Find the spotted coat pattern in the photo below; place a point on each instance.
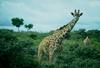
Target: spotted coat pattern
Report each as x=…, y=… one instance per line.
x=52, y=44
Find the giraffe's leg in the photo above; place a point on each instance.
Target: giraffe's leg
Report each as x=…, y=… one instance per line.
x=50, y=57
x=39, y=57
x=40, y=54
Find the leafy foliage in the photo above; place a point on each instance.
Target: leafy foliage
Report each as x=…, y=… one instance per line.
x=14, y=52
x=17, y=22
x=29, y=26
x=19, y=50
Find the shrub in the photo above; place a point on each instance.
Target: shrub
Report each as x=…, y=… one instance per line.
x=15, y=53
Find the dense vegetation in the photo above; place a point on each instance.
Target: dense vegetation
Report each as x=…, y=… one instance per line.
x=19, y=50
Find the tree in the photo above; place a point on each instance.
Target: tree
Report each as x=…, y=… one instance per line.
x=26, y=26
x=29, y=26
x=17, y=22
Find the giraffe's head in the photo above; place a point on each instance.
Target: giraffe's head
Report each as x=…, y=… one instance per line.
x=76, y=13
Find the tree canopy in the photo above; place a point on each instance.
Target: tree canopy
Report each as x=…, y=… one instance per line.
x=17, y=22
x=28, y=26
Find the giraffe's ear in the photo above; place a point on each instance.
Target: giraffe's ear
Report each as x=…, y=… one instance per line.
x=72, y=13
x=81, y=14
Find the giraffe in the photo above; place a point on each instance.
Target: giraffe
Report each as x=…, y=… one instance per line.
x=87, y=41
x=53, y=43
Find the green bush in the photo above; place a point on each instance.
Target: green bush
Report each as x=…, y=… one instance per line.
x=19, y=50
x=15, y=53
x=78, y=56
x=86, y=63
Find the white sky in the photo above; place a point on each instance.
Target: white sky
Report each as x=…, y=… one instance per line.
x=48, y=15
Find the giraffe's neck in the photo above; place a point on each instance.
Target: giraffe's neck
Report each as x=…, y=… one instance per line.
x=70, y=25
x=63, y=31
